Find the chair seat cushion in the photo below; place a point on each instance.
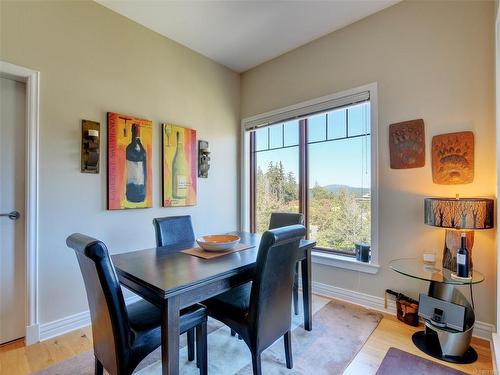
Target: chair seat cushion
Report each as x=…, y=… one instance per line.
x=144, y=316
x=234, y=303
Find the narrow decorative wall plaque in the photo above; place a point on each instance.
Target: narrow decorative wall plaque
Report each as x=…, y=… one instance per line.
x=407, y=144
x=453, y=158
x=90, y=146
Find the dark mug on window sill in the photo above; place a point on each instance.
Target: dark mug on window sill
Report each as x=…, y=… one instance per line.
x=363, y=253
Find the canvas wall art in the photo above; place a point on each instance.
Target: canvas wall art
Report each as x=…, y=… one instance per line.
x=453, y=158
x=407, y=144
x=179, y=166
x=130, y=170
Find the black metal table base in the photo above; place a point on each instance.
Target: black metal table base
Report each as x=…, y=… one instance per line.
x=429, y=344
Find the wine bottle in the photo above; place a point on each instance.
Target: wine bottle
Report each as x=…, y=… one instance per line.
x=180, y=177
x=136, y=168
x=463, y=258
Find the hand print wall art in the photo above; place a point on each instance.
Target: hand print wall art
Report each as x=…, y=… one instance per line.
x=453, y=158
x=407, y=144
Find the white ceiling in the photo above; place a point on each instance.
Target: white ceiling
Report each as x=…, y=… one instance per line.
x=242, y=34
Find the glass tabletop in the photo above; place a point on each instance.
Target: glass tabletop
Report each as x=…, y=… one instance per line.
x=416, y=268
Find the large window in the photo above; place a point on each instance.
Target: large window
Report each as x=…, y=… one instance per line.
x=320, y=165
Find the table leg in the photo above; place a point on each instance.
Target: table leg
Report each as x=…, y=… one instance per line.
x=170, y=310
x=306, y=290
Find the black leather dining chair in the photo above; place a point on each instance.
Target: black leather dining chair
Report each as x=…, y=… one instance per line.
x=283, y=219
x=175, y=230
x=259, y=311
x=279, y=220
x=124, y=335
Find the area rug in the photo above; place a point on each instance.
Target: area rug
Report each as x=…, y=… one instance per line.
x=399, y=362
x=339, y=331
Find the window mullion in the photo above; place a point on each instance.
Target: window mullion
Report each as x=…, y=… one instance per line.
x=347, y=122
x=303, y=173
x=253, y=184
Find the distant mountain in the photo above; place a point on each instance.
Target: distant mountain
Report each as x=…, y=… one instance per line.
x=359, y=192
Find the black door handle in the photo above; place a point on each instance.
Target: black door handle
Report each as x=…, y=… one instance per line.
x=13, y=215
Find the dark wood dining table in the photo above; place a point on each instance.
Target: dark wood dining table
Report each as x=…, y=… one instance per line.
x=173, y=280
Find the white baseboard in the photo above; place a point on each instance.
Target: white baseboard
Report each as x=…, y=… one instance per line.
x=58, y=327
x=70, y=323
x=357, y=298
x=481, y=329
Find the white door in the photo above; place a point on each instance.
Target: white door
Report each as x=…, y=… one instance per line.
x=12, y=199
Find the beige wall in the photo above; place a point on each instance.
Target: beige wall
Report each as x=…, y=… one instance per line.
x=93, y=61
x=431, y=60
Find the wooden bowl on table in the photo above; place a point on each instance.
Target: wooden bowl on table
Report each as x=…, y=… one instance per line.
x=218, y=242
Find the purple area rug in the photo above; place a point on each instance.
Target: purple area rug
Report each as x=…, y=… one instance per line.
x=399, y=362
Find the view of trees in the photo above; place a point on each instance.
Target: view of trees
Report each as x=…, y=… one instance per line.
x=276, y=191
x=339, y=216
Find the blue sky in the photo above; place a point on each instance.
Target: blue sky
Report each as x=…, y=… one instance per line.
x=340, y=161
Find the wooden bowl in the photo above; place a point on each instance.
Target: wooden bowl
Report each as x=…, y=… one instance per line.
x=218, y=242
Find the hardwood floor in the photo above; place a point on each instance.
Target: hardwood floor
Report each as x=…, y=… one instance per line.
x=391, y=332
x=16, y=359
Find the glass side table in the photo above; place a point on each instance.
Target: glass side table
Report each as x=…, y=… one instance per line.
x=443, y=343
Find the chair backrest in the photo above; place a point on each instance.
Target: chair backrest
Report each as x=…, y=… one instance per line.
x=284, y=219
x=271, y=295
x=173, y=230
x=111, y=332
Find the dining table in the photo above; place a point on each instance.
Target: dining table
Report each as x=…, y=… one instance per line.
x=173, y=280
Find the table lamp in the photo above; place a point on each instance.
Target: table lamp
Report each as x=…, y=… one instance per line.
x=458, y=215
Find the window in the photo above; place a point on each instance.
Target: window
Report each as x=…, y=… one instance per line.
x=318, y=163
x=276, y=157
x=339, y=202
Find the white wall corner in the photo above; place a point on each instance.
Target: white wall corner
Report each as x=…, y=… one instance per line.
x=70, y=323
x=32, y=334
x=481, y=329
x=495, y=351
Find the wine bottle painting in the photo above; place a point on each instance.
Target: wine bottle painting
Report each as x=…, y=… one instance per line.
x=129, y=162
x=179, y=166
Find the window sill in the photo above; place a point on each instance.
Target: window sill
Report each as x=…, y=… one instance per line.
x=340, y=261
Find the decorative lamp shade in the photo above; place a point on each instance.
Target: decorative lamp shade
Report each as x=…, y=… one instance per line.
x=462, y=213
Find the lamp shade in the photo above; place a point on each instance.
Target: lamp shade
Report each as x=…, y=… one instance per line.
x=463, y=213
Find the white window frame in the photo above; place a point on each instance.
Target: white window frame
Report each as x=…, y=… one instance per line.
x=329, y=259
